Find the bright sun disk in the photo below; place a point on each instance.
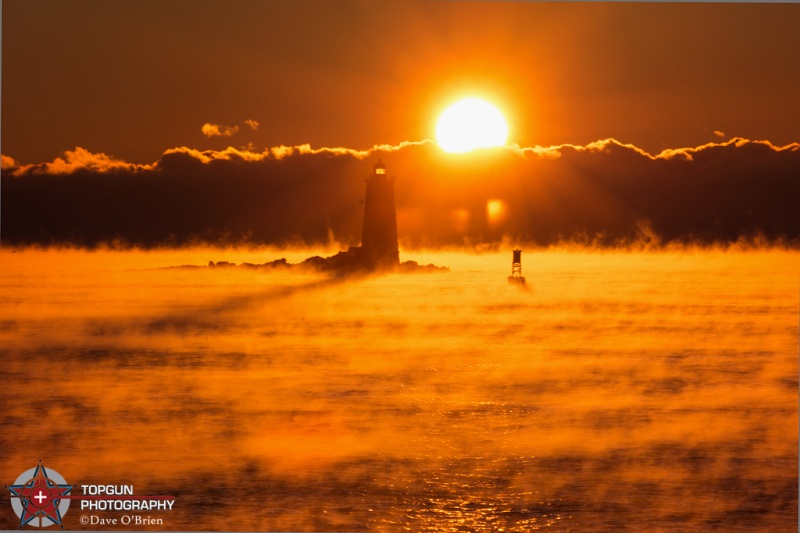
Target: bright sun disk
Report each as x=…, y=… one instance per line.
x=469, y=124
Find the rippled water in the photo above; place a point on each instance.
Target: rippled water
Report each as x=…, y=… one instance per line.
x=622, y=392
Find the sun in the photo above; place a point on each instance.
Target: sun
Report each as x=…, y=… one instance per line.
x=469, y=124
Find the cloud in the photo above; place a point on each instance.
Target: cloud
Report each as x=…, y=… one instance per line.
x=605, y=191
x=228, y=154
x=218, y=130
x=306, y=149
x=210, y=129
x=280, y=152
x=74, y=160
x=8, y=163
x=738, y=142
x=720, y=134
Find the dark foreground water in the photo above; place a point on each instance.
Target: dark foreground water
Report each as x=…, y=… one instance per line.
x=623, y=392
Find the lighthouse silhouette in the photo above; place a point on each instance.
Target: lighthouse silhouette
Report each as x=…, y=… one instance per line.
x=379, y=234
x=378, y=250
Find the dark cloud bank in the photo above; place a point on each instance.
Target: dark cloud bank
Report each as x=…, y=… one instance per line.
x=605, y=192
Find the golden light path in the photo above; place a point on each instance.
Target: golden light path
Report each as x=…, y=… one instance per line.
x=469, y=124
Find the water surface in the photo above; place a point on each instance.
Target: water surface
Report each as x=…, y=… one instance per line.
x=622, y=392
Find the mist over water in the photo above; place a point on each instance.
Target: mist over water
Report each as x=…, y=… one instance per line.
x=652, y=391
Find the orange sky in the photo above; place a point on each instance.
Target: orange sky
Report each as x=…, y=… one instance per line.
x=132, y=79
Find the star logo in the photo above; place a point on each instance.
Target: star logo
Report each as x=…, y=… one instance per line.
x=40, y=494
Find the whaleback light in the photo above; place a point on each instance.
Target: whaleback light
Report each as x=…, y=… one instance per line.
x=379, y=234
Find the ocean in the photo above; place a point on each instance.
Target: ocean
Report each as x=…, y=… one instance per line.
x=619, y=391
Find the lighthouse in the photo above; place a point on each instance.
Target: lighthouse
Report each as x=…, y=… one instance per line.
x=378, y=250
x=379, y=234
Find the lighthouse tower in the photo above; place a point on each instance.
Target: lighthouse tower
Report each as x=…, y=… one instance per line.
x=379, y=236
